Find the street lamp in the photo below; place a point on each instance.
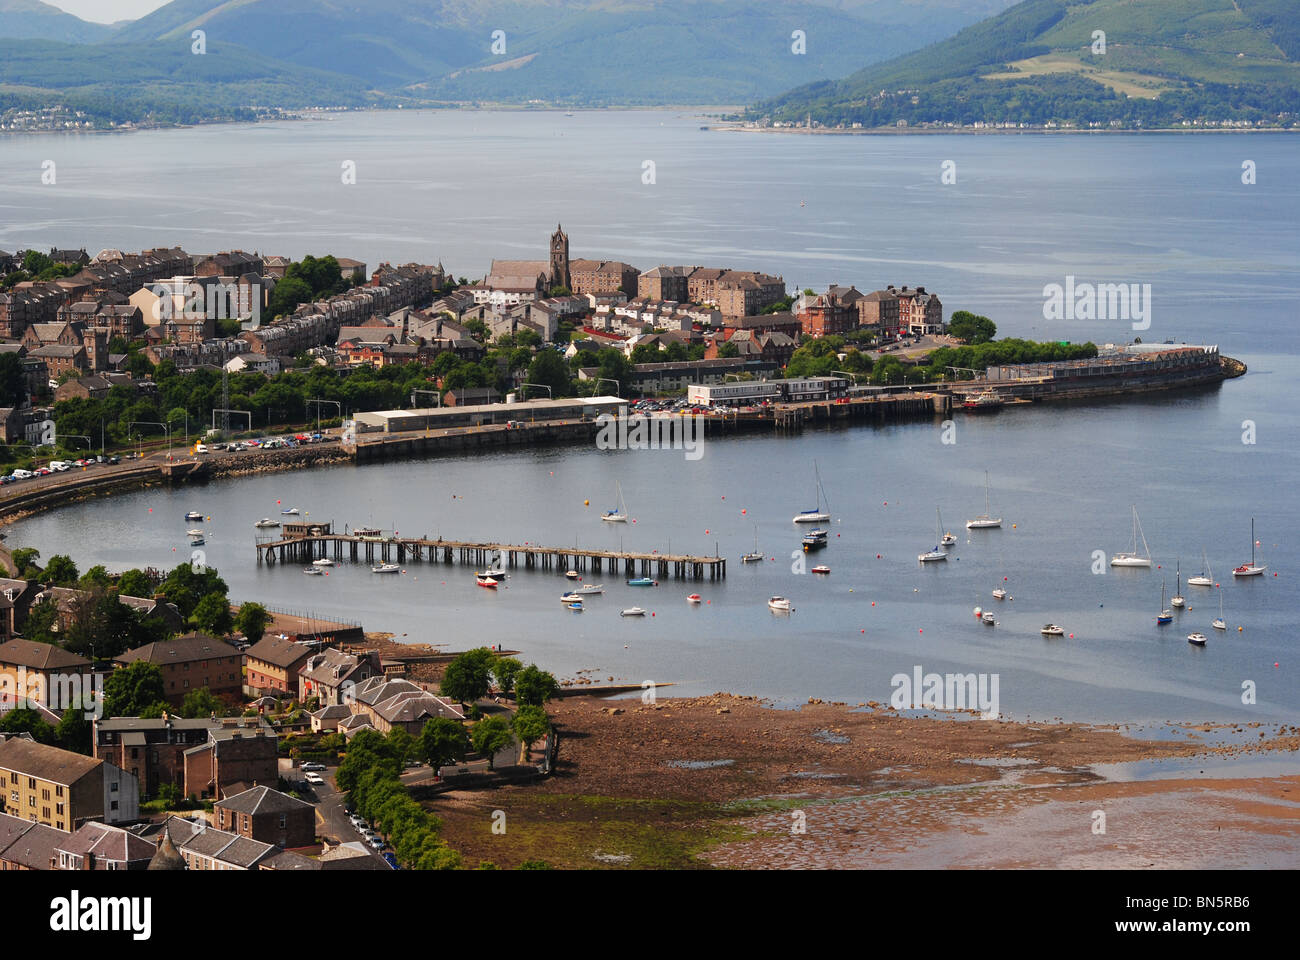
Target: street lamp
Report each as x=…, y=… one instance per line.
x=432, y=393
x=318, y=403
x=618, y=387
x=550, y=395
x=154, y=423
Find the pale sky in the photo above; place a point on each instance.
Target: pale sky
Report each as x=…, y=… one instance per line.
x=108, y=11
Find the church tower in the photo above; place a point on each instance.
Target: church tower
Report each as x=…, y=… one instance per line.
x=560, y=258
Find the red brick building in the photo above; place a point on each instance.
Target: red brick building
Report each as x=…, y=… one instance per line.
x=267, y=815
x=191, y=662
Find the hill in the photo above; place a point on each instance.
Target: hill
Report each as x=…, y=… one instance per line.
x=33, y=20
x=1163, y=62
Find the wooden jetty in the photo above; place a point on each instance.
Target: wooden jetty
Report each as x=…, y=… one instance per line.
x=304, y=548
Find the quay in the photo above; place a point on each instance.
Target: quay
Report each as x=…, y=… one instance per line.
x=304, y=546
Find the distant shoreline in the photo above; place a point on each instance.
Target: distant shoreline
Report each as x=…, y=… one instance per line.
x=967, y=131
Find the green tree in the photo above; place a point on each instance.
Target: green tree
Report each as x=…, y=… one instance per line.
x=505, y=670
x=212, y=614
x=530, y=724
x=369, y=753
x=42, y=622
x=490, y=735
x=135, y=583
x=971, y=328
x=548, y=368
x=74, y=729
x=96, y=576
x=60, y=571
x=466, y=677
x=13, y=380
x=252, y=620
x=443, y=741
x=202, y=703
x=132, y=690
x=25, y=562
x=98, y=621
x=534, y=687
x=27, y=720
x=403, y=745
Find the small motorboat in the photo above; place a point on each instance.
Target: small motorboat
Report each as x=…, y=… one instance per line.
x=643, y=582
x=314, y=571
x=815, y=540
x=266, y=523
x=988, y=617
x=780, y=603
x=999, y=594
x=323, y=562
x=632, y=612
x=693, y=598
x=588, y=589
x=571, y=574
x=1052, y=630
x=821, y=568
x=575, y=605
x=567, y=598
x=291, y=512
x=486, y=582
x=197, y=542
x=386, y=568
x=193, y=515
x=947, y=540
x=195, y=532
x=1196, y=639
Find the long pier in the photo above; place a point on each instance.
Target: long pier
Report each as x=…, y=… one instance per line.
x=355, y=548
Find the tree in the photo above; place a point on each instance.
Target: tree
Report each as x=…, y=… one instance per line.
x=490, y=735
x=27, y=720
x=403, y=745
x=42, y=622
x=98, y=620
x=505, y=670
x=443, y=741
x=202, y=703
x=212, y=614
x=530, y=724
x=369, y=753
x=534, y=687
x=548, y=368
x=25, y=562
x=60, y=571
x=466, y=677
x=96, y=576
x=13, y=380
x=252, y=620
x=728, y=351
x=73, y=730
x=972, y=328
x=132, y=690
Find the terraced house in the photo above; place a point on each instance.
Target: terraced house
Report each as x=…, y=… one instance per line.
x=192, y=662
x=62, y=789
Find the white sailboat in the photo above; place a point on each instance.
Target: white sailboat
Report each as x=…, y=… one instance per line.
x=946, y=539
x=1251, y=569
x=1220, y=623
x=1133, y=558
x=984, y=521
x=754, y=557
x=937, y=553
x=1206, y=577
x=816, y=515
x=1177, y=599
x=618, y=515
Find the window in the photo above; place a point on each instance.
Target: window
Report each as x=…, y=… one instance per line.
x=284, y=821
x=45, y=794
x=31, y=801
x=135, y=753
x=31, y=783
x=113, y=787
x=58, y=791
x=112, y=805
x=187, y=684
x=58, y=809
x=186, y=667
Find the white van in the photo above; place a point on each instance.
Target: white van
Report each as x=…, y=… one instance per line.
x=23, y=474
x=201, y=448
x=60, y=465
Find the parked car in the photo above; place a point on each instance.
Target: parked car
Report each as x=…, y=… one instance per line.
x=313, y=765
x=114, y=460
x=314, y=779
x=391, y=859
x=376, y=843
x=201, y=448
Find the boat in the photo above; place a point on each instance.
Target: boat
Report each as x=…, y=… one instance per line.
x=291, y=512
x=693, y=598
x=565, y=598
x=575, y=605
x=364, y=531
x=988, y=400
x=618, y=515
x=1052, y=630
x=495, y=571
x=314, y=571
x=323, y=562
x=947, y=539
x=815, y=540
x=642, y=582
x=571, y=574
x=822, y=568
x=817, y=514
x=197, y=542
x=386, y=568
x=196, y=532
x=1219, y=623
x=266, y=523
x=1133, y=558
x=1177, y=599
x=1251, y=569
x=999, y=594
x=984, y=521
x=1196, y=638
x=935, y=554
x=988, y=617
x=632, y=612
x=587, y=589
x=486, y=582
x=780, y=603
x=1165, y=615
x=1206, y=577
x=193, y=515
x=754, y=557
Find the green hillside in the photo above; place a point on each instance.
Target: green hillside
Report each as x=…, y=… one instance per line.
x=1165, y=62
x=33, y=20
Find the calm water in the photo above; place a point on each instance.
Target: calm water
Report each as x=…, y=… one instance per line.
x=1170, y=211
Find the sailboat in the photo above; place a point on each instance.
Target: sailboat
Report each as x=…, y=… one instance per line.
x=1206, y=577
x=946, y=539
x=495, y=571
x=754, y=557
x=1178, y=600
x=936, y=553
x=984, y=521
x=816, y=515
x=1134, y=559
x=1220, y=623
x=620, y=514
x=1165, y=615
x=1251, y=569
